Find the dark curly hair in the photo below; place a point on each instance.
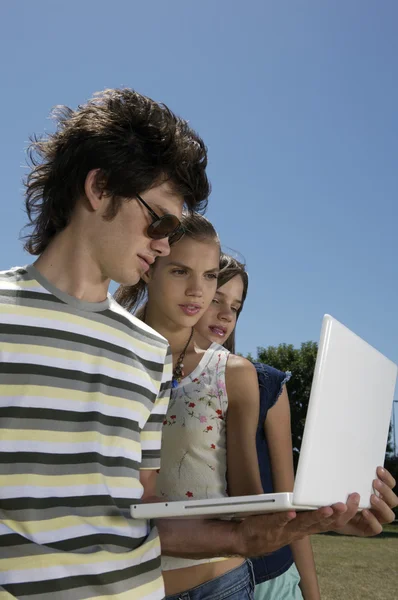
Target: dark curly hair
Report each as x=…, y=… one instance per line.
x=133, y=141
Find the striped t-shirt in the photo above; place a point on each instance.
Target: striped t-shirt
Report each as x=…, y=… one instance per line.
x=84, y=388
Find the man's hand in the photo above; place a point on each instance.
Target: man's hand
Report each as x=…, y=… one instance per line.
x=263, y=534
x=369, y=522
x=259, y=535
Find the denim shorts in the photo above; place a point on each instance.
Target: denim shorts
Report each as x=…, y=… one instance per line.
x=237, y=584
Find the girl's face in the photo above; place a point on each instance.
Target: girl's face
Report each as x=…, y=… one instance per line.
x=182, y=285
x=219, y=321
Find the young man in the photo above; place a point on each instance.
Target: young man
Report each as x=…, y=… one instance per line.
x=83, y=384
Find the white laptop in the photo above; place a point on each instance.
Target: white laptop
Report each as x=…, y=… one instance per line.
x=344, y=439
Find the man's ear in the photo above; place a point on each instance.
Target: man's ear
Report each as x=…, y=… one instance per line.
x=93, y=189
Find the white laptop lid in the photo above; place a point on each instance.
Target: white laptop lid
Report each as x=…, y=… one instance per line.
x=348, y=419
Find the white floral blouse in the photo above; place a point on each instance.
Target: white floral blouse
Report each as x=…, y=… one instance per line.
x=194, y=453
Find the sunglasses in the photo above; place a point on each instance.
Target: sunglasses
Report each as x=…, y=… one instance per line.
x=167, y=226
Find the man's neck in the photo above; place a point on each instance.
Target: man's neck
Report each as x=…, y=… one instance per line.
x=70, y=267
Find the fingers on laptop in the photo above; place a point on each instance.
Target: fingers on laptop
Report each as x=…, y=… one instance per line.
x=386, y=477
x=385, y=493
x=345, y=512
x=317, y=521
x=384, y=486
x=340, y=517
x=371, y=524
x=381, y=509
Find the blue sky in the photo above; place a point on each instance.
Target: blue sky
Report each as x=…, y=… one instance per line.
x=297, y=102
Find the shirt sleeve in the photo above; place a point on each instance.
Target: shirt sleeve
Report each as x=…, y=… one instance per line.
x=151, y=434
x=271, y=382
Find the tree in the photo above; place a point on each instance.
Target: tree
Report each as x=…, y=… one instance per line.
x=301, y=362
x=390, y=452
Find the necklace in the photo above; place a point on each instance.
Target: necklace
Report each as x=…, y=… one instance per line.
x=178, y=372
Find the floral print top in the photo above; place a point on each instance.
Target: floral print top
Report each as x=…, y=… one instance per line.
x=193, y=452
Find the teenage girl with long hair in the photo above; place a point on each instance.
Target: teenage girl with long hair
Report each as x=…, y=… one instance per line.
x=208, y=442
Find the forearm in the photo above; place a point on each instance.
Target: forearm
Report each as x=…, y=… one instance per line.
x=197, y=538
x=304, y=559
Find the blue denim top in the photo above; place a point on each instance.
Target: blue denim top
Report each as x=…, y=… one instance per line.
x=271, y=382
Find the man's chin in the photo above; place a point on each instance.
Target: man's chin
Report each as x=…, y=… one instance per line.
x=129, y=279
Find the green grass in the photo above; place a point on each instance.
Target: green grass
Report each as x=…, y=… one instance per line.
x=357, y=568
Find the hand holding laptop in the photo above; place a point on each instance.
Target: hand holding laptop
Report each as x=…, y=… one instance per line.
x=263, y=534
x=370, y=522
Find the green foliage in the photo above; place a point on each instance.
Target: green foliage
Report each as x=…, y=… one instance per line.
x=390, y=443
x=301, y=362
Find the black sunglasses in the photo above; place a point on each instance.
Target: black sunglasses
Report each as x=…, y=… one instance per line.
x=167, y=226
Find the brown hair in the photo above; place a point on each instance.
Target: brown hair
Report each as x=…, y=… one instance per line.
x=134, y=142
x=230, y=268
x=196, y=227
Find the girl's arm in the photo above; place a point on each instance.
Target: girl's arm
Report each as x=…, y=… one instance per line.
x=242, y=419
x=279, y=438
